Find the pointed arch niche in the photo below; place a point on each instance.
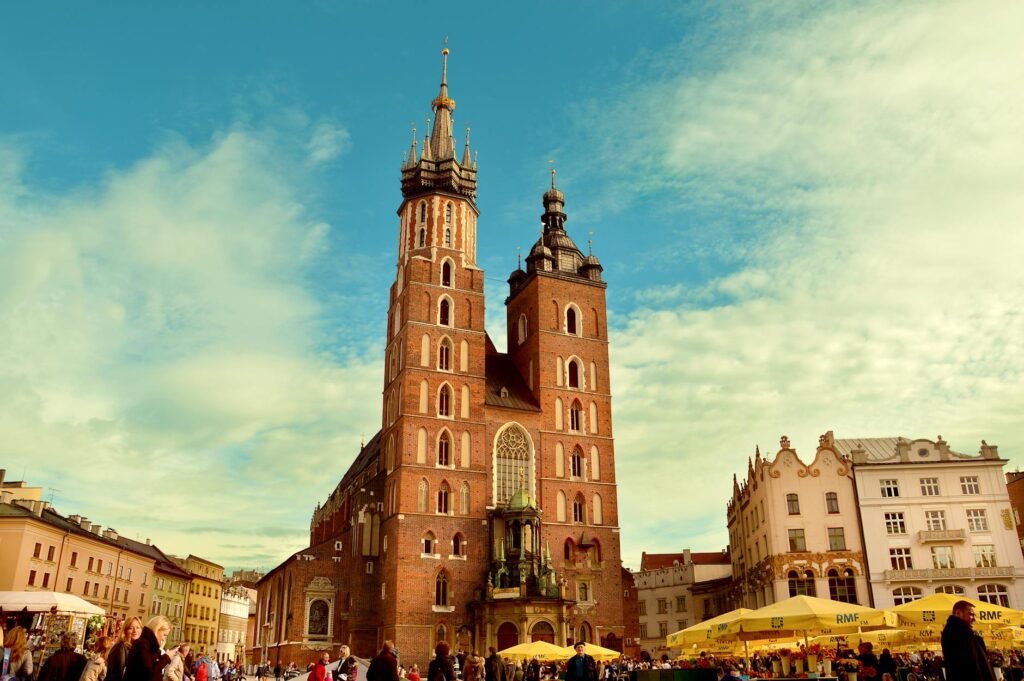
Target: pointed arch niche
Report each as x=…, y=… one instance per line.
x=514, y=462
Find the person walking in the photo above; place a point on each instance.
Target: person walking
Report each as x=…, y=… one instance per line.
x=384, y=666
x=441, y=667
x=96, y=667
x=277, y=671
x=175, y=671
x=581, y=667
x=348, y=668
x=117, y=658
x=963, y=651
x=65, y=664
x=319, y=672
x=494, y=668
x=147, y=659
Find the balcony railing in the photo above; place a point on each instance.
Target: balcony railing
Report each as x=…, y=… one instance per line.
x=948, y=573
x=925, y=536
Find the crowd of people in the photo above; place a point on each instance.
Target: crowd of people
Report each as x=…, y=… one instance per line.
x=136, y=653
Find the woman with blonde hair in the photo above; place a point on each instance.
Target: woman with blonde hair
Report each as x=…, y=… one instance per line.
x=147, y=659
x=21, y=657
x=96, y=667
x=117, y=658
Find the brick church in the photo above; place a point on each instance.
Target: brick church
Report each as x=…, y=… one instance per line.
x=484, y=511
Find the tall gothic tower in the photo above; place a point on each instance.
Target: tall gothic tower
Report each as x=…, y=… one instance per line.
x=433, y=423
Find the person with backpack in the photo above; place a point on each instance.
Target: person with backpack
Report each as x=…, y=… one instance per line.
x=202, y=671
x=441, y=667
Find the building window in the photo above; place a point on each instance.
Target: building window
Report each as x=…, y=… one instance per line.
x=894, y=523
x=994, y=594
x=68, y=587
x=523, y=328
x=423, y=493
x=31, y=577
x=969, y=485
x=423, y=211
x=444, y=312
x=662, y=629
x=74, y=559
x=680, y=603
x=935, y=520
x=578, y=509
x=576, y=463
x=583, y=592
x=842, y=587
x=662, y=606
x=458, y=545
x=836, y=539
x=832, y=502
x=572, y=322
x=930, y=487
x=889, y=488
x=446, y=274
x=444, y=355
x=428, y=543
x=793, y=504
x=574, y=374
x=89, y=568
x=512, y=454
x=951, y=589
x=801, y=584
x=444, y=448
x=905, y=594
x=942, y=558
x=464, y=499
x=444, y=401
x=984, y=555
x=448, y=214
x=37, y=552
x=85, y=591
x=576, y=416
x=49, y=553
x=422, y=237
x=643, y=628
x=447, y=237
x=900, y=558
x=643, y=607
x=443, y=498
x=797, y=542
x=976, y=520
x=441, y=589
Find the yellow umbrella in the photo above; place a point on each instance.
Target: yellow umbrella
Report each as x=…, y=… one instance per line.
x=887, y=638
x=1003, y=636
x=807, y=614
x=595, y=651
x=703, y=631
x=932, y=611
x=542, y=650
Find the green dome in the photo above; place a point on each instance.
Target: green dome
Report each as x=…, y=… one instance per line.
x=521, y=500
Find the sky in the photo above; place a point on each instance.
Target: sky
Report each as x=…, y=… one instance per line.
x=810, y=217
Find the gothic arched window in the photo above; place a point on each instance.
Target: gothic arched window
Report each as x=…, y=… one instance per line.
x=446, y=273
x=576, y=416
x=464, y=499
x=444, y=450
x=447, y=237
x=441, y=589
x=423, y=237
x=422, y=494
x=444, y=401
x=512, y=462
x=576, y=463
x=444, y=355
x=444, y=494
x=579, y=513
x=444, y=312
x=319, y=618
x=574, y=374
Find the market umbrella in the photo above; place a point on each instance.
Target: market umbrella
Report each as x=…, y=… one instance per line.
x=542, y=650
x=887, y=638
x=932, y=611
x=806, y=614
x=702, y=632
x=595, y=651
x=43, y=601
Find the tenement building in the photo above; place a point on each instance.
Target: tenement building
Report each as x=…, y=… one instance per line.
x=677, y=590
x=794, y=529
x=484, y=511
x=935, y=521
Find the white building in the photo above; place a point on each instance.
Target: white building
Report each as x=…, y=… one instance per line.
x=794, y=529
x=665, y=589
x=234, y=619
x=935, y=521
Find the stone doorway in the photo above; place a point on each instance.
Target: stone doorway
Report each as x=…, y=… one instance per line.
x=508, y=635
x=542, y=631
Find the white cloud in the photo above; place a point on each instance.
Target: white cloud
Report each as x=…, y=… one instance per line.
x=327, y=142
x=159, y=359
x=882, y=146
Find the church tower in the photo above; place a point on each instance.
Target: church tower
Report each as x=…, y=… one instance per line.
x=432, y=431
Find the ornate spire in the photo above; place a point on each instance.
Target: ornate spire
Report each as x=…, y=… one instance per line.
x=467, y=158
x=441, y=138
x=412, y=151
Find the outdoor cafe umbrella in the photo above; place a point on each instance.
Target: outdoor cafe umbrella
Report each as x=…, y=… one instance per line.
x=595, y=651
x=542, y=650
x=932, y=611
x=806, y=614
x=702, y=632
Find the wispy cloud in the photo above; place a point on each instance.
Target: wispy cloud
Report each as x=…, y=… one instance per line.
x=327, y=142
x=160, y=351
x=877, y=151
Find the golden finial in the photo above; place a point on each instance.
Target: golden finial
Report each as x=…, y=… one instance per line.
x=444, y=67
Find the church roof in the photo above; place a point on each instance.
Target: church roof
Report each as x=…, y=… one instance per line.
x=505, y=387
x=660, y=561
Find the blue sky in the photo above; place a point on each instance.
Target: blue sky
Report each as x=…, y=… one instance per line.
x=809, y=217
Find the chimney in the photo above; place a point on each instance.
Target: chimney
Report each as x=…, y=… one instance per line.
x=95, y=529
x=148, y=542
x=75, y=519
x=687, y=560
x=110, y=533
x=6, y=496
x=84, y=524
x=3, y=476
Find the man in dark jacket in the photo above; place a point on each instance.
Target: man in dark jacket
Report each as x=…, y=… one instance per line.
x=963, y=651
x=384, y=667
x=65, y=664
x=581, y=667
x=494, y=668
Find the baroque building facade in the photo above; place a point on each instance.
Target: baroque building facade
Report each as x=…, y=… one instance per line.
x=935, y=520
x=484, y=511
x=794, y=529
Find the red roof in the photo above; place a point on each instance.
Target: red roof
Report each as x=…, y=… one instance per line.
x=659, y=561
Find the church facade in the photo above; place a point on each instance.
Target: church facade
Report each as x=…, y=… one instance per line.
x=484, y=512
